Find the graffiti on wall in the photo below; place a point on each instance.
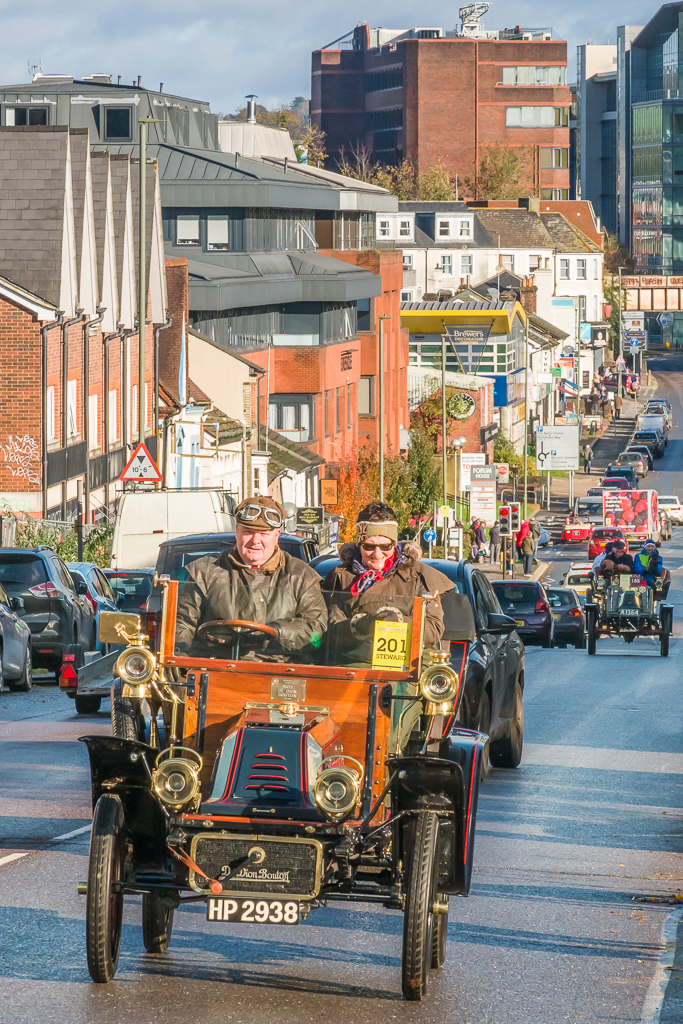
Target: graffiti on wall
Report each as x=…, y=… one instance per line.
x=22, y=454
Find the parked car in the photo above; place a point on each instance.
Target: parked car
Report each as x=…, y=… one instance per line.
x=494, y=682
x=589, y=508
x=545, y=540
x=630, y=382
x=570, y=621
x=632, y=460
x=672, y=504
x=131, y=587
x=527, y=602
x=602, y=535
x=642, y=449
x=99, y=593
x=175, y=555
x=16, y=671
x=56, y=609
x=654, y=440
x=620, y=483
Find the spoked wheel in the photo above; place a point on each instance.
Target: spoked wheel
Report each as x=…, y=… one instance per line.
x=439, y=936
x=667, y=626
x=418, y=919
x=127, y=722
x=157, y=923
x=104, y=912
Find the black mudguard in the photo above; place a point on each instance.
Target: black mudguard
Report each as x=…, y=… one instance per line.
x=124, y=768
x=448, y=785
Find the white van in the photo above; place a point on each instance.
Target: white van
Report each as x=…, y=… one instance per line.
x=653, y=421
x=145, y=519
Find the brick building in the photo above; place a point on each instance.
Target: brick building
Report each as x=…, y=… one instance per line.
x=69, y=363
x=425, y=93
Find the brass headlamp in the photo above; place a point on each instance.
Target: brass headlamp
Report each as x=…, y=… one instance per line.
x=337, y=789
x=439, y=684
x=136, y=666
x=176, y=779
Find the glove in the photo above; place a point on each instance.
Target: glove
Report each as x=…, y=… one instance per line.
x=362, y=626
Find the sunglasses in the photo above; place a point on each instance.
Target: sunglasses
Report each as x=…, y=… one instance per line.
x=251, y=512
x=385, y=548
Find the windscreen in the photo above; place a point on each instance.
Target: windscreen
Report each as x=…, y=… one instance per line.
x=588, y=506
x=136, y=586
x=229, y=617
x=515, y=593
x=561, y=598
x=22, y=569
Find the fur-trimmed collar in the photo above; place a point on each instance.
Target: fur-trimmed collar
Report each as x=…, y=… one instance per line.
x=349, y=553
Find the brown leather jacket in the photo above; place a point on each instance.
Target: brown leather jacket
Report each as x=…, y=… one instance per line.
x=352, y=618
x=284, y=594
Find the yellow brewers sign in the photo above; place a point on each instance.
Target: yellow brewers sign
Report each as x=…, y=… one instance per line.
x=391, y=645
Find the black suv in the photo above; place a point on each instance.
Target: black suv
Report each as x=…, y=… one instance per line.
x=56, y=609
x=175, y=556
x=653, y=439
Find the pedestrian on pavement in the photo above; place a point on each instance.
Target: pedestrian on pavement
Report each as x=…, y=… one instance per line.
x=474, y=548
x=494, y=543
x=595, y=398
x=527, y=548
x=519, y=537
x=618, y=402
x=601, y=370
x=480, y=534
x=587, y=458
x=535, y=531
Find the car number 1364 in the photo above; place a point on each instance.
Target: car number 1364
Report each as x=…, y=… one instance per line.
x=253, y=911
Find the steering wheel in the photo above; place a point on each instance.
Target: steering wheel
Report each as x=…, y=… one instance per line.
x=223, y=631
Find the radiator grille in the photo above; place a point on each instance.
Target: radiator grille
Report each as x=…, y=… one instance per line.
x=276, y=867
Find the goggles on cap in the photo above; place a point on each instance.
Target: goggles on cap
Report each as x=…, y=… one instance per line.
x=251, y=512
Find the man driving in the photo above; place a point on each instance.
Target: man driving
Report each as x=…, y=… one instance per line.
x=614, y=560
x=253, y=582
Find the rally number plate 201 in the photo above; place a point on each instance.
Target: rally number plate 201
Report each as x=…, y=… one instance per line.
x=252, y=911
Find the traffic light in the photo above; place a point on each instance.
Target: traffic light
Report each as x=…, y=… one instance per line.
x=515, y=516
x=504, y=520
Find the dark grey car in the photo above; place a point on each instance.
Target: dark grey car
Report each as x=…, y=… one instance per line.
x=570, y=621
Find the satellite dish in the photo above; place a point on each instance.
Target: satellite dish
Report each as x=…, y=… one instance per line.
x=290, y=510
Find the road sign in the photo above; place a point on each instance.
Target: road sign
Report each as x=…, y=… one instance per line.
x=557, y=447
x=430, y=536
x=503, y=471
x=141, y=468
x=467, y=460
x=666, y=319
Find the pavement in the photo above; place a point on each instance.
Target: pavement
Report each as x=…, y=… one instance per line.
x=574, y=913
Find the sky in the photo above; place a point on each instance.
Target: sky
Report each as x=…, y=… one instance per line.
x=229, y=48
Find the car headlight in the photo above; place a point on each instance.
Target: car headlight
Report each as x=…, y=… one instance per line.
x=439, y=683
x=176, y=779
x=136, y=666
x=337, y=789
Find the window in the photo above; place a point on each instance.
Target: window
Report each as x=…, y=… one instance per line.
x=291, y=415
x=257, y=480
x=446, y=264
x=363, y=315
x=187, y=229
x=537, y=117
x=554, y=193
x=404, y=228
x=407, y=261
x=507, y=260
x=327, y=414
x=113, y=434
x=217, y=233
x=595, y=307
x=466, y=261
x=532, y=75
x=366, y=394
x=444, y=228
x=534, y=262
x=117, y=123
x=93, y=424
x=72, y=408
x=581, y=270
x=582, y=308
x=406, y=296
x=383, y=228
x=339, y=410
x=465, y=229
x=349, y=422
x=595, y=272
x=381, y=81
x=554, y=158
x=26, y=115
x=50, y=414
x=564, y=270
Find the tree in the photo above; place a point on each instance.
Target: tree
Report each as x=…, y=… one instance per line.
x=310, y=147
x=616, y=255
x=436, y=184
x=359, y=164
x=308, y=139
x=423, y=472
x=504, y=173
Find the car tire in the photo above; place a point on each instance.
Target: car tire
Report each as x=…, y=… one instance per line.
x=2, y=672
x=590, y=632
x=87, y=705
x=124, y=717
x=25, y=681
x=580, y=644
x=418, y=918
x=484, y=725
x=157, y=923
x=507, y=753
x=104, y=910
x=547, y=642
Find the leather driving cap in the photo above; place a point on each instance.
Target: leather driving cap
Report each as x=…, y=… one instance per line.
x=260, y=514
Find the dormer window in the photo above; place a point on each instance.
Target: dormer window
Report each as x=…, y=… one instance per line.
x=465, y=229
x=444, y=229
x=404, y=229
x=384, y=229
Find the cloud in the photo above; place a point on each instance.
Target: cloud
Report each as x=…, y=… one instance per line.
x=232, y=47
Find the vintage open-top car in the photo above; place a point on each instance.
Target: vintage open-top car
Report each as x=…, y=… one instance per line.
x=266, y=784
x=577, y=529
x=626, y=606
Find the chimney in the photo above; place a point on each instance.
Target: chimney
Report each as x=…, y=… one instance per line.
x=251, y=108
x=527, y=295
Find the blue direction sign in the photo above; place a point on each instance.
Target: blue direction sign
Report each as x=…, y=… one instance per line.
x=430, y=536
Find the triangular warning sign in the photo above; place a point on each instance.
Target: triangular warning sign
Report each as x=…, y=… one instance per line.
x=141, y=468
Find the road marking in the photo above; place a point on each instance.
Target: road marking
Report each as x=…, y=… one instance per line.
x=654, y=998
x=70, y=835
x=603, y=758
x=13, y=856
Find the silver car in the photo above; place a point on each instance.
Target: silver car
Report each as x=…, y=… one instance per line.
x=16, y=669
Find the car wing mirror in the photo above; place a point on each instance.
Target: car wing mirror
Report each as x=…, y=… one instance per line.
x=17, y=604
x=120, y=598
x=81, y=588
x=501, y=625
x=457, y=617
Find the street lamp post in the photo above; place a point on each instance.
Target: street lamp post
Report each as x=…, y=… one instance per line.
x=443, y=417
x=142, y=275
x=526, y=404
x=381, y=405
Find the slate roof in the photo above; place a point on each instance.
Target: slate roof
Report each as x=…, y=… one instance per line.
x=565, y=236
x=518, y=229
